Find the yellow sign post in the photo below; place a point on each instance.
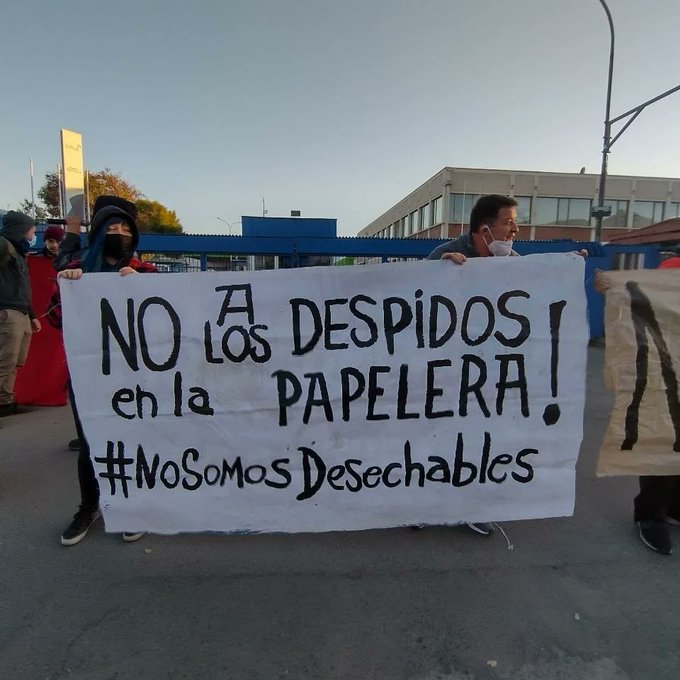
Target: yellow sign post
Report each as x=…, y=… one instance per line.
x=73, y=175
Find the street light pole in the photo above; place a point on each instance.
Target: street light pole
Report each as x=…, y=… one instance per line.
x=227, y=223
x=600, y=210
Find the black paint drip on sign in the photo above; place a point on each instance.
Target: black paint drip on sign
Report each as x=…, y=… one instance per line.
x=551, y=414
x=644, y=320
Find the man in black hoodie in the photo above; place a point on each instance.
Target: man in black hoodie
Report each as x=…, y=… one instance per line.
x=17, y=320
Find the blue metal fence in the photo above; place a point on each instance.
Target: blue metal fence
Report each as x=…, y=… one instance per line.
x=297, y=250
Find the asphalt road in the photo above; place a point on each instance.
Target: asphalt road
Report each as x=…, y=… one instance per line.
x=576, y=598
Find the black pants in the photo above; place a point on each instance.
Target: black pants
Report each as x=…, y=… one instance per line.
x=658, y=496
x=89, y=489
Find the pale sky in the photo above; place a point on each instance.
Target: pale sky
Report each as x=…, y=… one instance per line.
x=337, y=108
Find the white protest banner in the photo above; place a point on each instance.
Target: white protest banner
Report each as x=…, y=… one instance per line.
x=642, y=323
x=332, y=398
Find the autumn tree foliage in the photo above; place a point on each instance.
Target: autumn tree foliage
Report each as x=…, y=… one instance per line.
x=152, y=215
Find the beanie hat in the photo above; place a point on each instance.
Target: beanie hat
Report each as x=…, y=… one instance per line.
x=15, y=225
x=54, y=232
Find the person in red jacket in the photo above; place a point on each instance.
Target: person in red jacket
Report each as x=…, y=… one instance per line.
x=112, y=242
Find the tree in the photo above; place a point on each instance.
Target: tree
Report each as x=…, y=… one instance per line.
x=99, y=184
x=154, y=216
x=109, y=183
x=26, y=207
x=49, y=194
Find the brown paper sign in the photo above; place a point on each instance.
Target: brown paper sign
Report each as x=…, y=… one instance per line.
x=642, y=366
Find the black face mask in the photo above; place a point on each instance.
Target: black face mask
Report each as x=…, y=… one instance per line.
x=117, y=246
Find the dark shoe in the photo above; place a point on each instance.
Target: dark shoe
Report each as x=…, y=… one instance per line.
x=77, y=530
x=655, y=536
x=74, y=445
x=483, y=528
x=12, y=409
x=131, y=538
x=7, y=410
x=417, y=527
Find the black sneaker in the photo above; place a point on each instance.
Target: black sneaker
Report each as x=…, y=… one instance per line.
x=74, y=445
x=655, y=536
x=77, y=530
x=483, y=528
x=12, y=409
x=129, y=537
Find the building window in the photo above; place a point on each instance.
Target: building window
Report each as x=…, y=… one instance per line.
x=423, y=217
x=523, y=209
x=571, y=212
x=460, y=206
x=437, y=211
x=673, y=210
x=646, y=213
x=413, y=222
x=579, y=212
x=619, y=216
x=546, y=210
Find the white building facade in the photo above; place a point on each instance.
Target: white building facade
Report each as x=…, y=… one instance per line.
x=551, y=206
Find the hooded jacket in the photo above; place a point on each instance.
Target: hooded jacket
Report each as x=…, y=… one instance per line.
x=91, y=259
x=15, y=286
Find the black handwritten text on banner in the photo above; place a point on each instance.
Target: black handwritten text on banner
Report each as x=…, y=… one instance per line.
x=332, y=398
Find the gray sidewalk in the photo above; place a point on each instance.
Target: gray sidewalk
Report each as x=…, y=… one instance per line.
x=576, y=598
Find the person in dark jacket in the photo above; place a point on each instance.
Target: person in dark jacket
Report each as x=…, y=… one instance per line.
x=658, y=503
x=493, y=228
x=112, y=241
x=17, y=320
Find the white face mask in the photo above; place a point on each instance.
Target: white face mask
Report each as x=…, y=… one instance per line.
x=498, y=248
